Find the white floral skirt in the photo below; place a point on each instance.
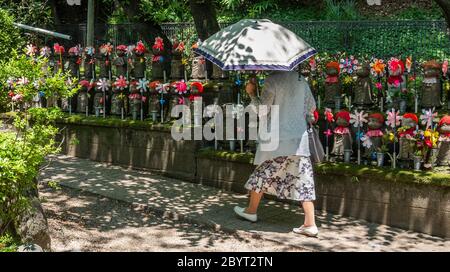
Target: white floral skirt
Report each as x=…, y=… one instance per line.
x=287, y=177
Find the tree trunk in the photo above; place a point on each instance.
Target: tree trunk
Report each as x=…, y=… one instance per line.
x=205, y=17
x=445, y=6
x=205, y=20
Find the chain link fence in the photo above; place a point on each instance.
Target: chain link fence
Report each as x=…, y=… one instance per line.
x=383, y=39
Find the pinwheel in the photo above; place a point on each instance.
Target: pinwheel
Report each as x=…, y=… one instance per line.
x=130, y=50
x=328, y=133
x=329, y=115
x=427, y=117
x=181, y=100
x=103, y=85
x=74, y=50
x=17, y=98
x=10, y=82
x=377, y=67
x=142, y=84
x=358, y=118
x=181, y=87
x=106, y=49
x=59, y=49
x=408, y=64
x=90, y=50
x=366, y=142
x=121, y=83
x=162, y=101
x=348, y=65
x=159, y=44
x=140, y=48
x=45, y=52
x=313, y=64
x=359, y=135
x=162, y=88
x=393, y=118
x=31, y=50
x=23, y=81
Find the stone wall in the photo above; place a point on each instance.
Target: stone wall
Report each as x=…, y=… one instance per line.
x=419, y=207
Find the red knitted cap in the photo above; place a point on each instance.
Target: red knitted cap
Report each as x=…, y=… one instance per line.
x=344, y=115
x=411, y=116
x=377, y=116
x=444, y=120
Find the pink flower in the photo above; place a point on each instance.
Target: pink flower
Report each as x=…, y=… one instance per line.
x=378, y=85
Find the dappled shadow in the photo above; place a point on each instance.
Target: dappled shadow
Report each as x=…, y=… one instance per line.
x=213, y=207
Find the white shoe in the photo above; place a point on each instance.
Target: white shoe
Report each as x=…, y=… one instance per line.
x=247, y=216
x=312, y=231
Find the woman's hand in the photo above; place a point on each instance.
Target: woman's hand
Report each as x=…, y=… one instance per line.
x=250, y=88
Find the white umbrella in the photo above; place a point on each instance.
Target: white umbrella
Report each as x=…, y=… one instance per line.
x=255, y=45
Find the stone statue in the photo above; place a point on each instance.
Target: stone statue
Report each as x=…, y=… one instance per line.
x=119, y=99
x=104, y=60
x=333, y=87
x=154, y=106
x=431, y=85
x=177, y=66
x=158, y=59
x=396, y=82
x=139, y=61
x=74, y=61
x=83, y=96
x=135, y=100
x=103, y=86
x=342, y=135
x=363, y=87
x=120, y=61
x=218, y=73
x=405, y=133
x=198, y=68
x=374, y=125
x=443, y=156
x=89, y=63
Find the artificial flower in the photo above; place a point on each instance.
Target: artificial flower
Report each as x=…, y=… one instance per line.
x=59, y=49
x=379, y=86
x=181, y=87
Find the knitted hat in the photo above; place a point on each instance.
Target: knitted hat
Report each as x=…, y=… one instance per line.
x=344, y=115
x=411, y=116
x=444, y=120
x=198, y=86
x=334, y=64
x=377, y=116
x=122, y=48
x=316, y=116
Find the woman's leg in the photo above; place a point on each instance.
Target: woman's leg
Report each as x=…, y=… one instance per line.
x=308, y=208
x=255, y=198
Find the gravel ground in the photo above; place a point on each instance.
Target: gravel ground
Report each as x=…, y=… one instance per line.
x=80, y=221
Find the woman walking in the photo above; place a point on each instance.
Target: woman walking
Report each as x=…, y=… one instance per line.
x=287, y=171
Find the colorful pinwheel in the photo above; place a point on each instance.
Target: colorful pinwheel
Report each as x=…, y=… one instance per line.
x=427, y=117
x=22, y=81
x=59, y=49
x=90, y=50
x=358, y=118
x=142, y=84
x=181, y=87
x=393, y=118
x=408, y=64
x=366, y=142
x=329, y=115
x=328, y=133
x=162, y=88
x=103, y=85
x=130, y=50
x=45, y=52
x=121, y=83
x=377, y=67
x=31, y=50
x=348, y=65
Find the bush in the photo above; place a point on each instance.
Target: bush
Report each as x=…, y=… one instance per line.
x=21, y=155
x=10, y=38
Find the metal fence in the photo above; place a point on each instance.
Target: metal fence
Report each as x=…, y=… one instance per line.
x=421, y=39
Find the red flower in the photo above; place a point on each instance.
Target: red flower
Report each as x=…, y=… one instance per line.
x=11, y=94
x=428, y=143
x=159, y=44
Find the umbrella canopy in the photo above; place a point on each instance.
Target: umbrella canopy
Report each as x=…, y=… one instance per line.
x=255, y=45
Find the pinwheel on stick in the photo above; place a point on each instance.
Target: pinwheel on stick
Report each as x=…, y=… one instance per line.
x=103, y=85
x=358, y=119
x=393, y=120
x=427, y=118
x=329, y=117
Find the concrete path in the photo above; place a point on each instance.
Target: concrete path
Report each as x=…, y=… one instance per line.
x=212, y=207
